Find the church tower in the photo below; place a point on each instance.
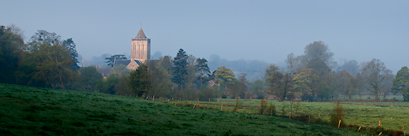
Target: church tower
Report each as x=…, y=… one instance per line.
x=141, y=48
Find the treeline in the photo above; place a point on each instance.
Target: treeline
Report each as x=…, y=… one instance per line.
x=312, y=76
x=45, y=61
x=315, y=76
x=48, y=61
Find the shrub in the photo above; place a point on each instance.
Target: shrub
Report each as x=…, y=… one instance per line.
x=263, y=105
x=283, y=109
x=237, y=106
x=337, y=114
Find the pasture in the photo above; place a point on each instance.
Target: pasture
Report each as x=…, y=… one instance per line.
x=39, y=111
x=394, y=115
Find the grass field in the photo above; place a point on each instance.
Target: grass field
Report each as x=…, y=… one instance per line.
x=394, y=115
x=39, y=111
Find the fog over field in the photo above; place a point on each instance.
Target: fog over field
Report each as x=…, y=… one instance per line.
x=265, y=31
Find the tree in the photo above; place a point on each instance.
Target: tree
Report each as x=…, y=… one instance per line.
x=161, y=83
x=239, y=87
x=318, y=49
x=319, y=65
x=139, y=81
x=53, y=61
x=166, y=63
x=306, y=83
x=71, y=47
x=121, y=87
x=110, y=60
x=324, y=91
x=120, y=70
x=269, y=74
x=224, y=76
x=87, y=79
x=11, y=44
x=258, y=88
x=202, y=68
x=375, y=75
x=180, y=69
x=401, y=81
x=280, y=85
x=351, y=67
x=191, y=76
x=293, y=63
x=345, y=84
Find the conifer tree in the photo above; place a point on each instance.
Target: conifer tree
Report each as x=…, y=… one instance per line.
x=180, y=69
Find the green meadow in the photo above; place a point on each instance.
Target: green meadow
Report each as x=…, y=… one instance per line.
x=393, y=115
x=39, y=111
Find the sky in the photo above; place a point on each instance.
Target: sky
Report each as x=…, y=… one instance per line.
x=251, y=30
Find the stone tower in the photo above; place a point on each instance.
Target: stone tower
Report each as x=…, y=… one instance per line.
x=141, y=48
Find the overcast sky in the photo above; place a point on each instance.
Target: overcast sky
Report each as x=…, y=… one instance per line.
x=251, y=30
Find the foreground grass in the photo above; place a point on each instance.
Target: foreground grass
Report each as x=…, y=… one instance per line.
x=392, y=114
x=39, y=111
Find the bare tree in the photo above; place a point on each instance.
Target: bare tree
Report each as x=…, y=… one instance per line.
x=375, y=75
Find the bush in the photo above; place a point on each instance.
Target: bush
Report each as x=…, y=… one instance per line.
x=283, y=111
x=272, y=109
x=263, y=106
x=237, y=106
x=337, y=114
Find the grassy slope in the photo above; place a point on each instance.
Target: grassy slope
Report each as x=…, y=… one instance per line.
x=392, y=114
x=28, y=111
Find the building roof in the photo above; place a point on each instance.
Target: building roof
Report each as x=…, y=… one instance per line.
x=138, y=62
x=141, y=35
x=124, y=62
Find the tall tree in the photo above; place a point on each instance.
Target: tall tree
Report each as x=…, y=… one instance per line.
x=319, y=65
x=280, y=85
x=318, y=49
x=244, y=85
x=224, y=76
x=53, y=61
x=345, y=84
x=269, y=73
x=166, y=63
x=71, y=47
x=110, y=60
x=375, y=75
x=180, y=69
x=202, y=68
x=191, y=76
x=140, y=80
x=293, y=63
x=11, y=44
x=401, y=81
x=160, y=80
x=306, y=83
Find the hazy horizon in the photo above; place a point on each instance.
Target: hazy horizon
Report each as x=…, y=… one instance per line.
x=251, y=30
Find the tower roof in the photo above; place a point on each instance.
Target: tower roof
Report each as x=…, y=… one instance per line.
x=140, y=34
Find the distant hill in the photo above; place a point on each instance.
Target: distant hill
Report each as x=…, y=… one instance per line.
x=39, y=111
